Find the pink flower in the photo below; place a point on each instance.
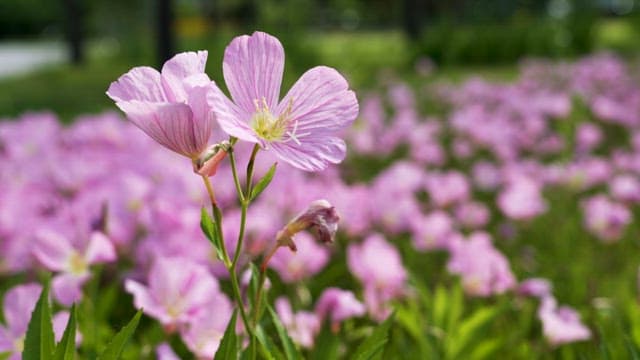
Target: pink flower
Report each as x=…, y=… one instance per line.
x=522, y=199
x=56, y=253
x=302, y=326
x=338, y=305
x=536, y=287
x=561, y=325
x=484, y=270
x=172, y=106
x=301, y=127
x=177, y=291
x=604, y=218
x=18, y=304
x=308, y=260
x=203, y=333
x=378, y=265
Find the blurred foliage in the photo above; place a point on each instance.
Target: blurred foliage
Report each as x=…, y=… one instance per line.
x=27, y=17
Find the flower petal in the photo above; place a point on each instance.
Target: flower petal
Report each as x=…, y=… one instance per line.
x=177, y=69
x=313, y=153
x=230, y=117
x=320, y=99
x=18, y=305
x=67, y=288
x=204, y=118
x=253, y=67
x=171, y=125
x=140, y=83
x=52, y=250
x=100, y=249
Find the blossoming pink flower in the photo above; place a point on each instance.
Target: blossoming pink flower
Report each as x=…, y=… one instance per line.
x=302, y=326
x=172, y=106
x=522, y=199
x=604, y=218
x=561, y=325
x=203, y=333
x=308, y=260
x=301, y=127
x=338, y=305
x=378, y=265
x=177, y=291
x=484, y=270
x=56, y=253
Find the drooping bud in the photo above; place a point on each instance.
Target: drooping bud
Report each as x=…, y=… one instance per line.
x=321, y=217
x=207, y=164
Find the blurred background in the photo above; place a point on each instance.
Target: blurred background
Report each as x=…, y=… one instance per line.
x=52, y=51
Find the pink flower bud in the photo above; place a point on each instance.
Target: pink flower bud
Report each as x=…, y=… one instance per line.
x=321, y=216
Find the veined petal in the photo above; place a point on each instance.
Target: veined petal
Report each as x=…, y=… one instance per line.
x=231, y=118
x=253, y=67
x=313, y=153
x=177, y=69
x=171, y=125
x=140, y=83
x=320, y=100
x=142, y=299
x=203, y=114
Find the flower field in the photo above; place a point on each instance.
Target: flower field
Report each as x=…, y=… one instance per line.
x=477, y=220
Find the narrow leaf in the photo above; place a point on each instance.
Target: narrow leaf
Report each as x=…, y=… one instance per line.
x=376, y=342
x=39, y=341
x=228, y=348
x=117, y=344
x=290, y=349
x=267, y=348
x=263, y=183
x=469, y=328
x=209, y=229
x=66, y=349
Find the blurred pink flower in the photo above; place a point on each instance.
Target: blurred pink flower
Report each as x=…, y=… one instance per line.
x=625, y=188
x=177, y=291
x=302, y=326
x=301, y=127
x=203, y=333
x=431, y=231
x=56, y=253
x=561, y=325
x=309, y=259
x=447, y=188
x=18, y=305
x=173, y=106
x=536, y=287
x=484, y=270
x=604, y=218
x=378, y=265
x=522, y=199
x=338, y=305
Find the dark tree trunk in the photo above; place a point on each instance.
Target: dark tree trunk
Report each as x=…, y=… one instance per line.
x=74, y=30
x=165, y=38
x=412, y=18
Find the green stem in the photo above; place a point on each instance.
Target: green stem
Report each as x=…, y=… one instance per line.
x=236, y=179
x=254, y=152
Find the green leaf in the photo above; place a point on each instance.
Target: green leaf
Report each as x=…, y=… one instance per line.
x=290, y=349
x=209, y=229
x=39, y=341
x=66, y=349
x=440, y=307
x=228, y=348
x=263, y=183
x=117, y=344
x=5, y=355
x=267, y=348
x=468, y=329
x=376, y=342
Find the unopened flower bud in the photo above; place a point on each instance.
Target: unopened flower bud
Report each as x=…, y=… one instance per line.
x=321, y=216
x=207, y=164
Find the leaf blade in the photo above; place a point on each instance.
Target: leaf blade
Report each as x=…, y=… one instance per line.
x=228, y=348
x=116, y=346
x=263, y=183
x=376, y=342
x=39, y=341
x=66, y=348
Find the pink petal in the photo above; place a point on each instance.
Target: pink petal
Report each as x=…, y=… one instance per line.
x=171, y=125
x=18, y=304
x=253, y=67
x=232, y=119
x=6, y=340
x=100, y=249
x=140, y=83
x=143, y=299
x=52, y=250
x=177, y=69
x=67, y=288
x=313, y=153
x=320, y=100
x=203, y=115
